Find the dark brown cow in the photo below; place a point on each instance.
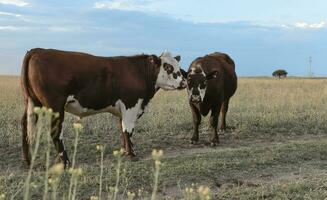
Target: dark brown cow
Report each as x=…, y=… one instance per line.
x=211, y=82
x=84, y=85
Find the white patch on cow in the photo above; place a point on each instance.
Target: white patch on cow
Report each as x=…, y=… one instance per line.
x=130, y=115
x=192, y=70
x=166, y=81
x=202, y=92
x=61, y=136
x=74, y=107
x=31, y=120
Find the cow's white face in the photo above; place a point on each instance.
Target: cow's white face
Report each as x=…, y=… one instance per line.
x=197, y=83
x=170, y=77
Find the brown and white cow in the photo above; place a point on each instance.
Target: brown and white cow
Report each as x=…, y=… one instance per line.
x=211, y=82
x=83, y=84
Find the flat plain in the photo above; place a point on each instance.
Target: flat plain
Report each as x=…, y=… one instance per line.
x=275, y=148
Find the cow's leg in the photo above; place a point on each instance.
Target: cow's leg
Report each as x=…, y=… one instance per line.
x=224, y=109
x=25, y=143
x=196, y=123
x=57, y=137
x=129, y=117
x=129, y=151
x=122, y=137
x=128, y=124
x=57, y=103
x=215, y=110
x=28, y=123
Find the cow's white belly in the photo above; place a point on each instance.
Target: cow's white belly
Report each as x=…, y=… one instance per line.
x=74, y=107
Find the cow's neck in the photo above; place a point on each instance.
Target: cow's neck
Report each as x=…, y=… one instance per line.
x=150, y=77
x=205, y=105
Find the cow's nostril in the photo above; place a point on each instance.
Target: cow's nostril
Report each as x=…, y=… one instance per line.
x=195, y=98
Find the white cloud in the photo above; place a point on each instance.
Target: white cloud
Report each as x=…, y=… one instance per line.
x=10, y=14
x=305, y=25
x=310, y=26
x=14, y=15
x=126, y=5
x=12, y=28
x=64, y=28
x=19, y=3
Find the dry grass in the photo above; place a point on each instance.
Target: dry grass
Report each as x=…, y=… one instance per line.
x=276, y=150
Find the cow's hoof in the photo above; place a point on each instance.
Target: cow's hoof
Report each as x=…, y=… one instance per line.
x=131, y=158
x=214, y=143
x=67, y=164
x=194, y=142
x=222, y=130
x=26, y=162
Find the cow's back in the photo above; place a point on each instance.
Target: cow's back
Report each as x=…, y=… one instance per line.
x=53, y=72
x=225, y=65
x=87, y=77
x=228, y=64
x=64, y=63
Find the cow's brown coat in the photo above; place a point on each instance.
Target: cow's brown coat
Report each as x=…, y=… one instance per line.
x=50, y=76
x=220, y=81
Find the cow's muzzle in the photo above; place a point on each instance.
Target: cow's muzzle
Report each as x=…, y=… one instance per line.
x=195, y=99
x=182, y=85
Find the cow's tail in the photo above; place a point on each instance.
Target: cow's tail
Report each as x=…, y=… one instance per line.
x=29, y=118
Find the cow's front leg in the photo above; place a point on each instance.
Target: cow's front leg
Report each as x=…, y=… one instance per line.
x=129, y=117
x=196, y=123
x=129, y=151
x=122, y=135
x=126, y=141
x=215, y=110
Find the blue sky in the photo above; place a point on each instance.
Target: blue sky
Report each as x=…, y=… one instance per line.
x=260, y=35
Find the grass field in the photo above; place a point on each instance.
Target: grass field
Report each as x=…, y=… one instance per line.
x=277, y=148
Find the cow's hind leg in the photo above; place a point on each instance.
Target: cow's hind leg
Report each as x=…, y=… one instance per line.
x=25, y=142
x=214, y=140
x=224, y=109
x=57, y=138
x=28, y=124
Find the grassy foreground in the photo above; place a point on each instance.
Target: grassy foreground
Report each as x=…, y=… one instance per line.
x=276, y=149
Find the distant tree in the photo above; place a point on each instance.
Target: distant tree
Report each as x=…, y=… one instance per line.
x=280, y=73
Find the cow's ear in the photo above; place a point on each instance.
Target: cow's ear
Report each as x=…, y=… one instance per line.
x=211, y=75
x=154, y=60
x=184, y=73
x=178, y=58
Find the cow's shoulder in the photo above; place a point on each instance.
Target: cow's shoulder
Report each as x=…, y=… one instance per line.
x=222, y=57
